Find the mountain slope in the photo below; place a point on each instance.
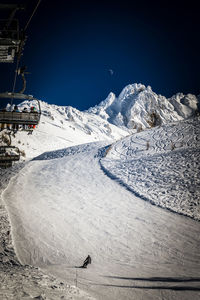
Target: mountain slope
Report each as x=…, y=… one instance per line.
x=136, y=108
x=161, y=165
x=63, y=207
x=64, y=204
x=61, y=127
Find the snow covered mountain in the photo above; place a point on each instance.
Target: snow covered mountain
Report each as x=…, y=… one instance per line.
x=64, y=126
x=136, y=108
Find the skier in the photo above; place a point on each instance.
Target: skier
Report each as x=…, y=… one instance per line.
x=87, y=261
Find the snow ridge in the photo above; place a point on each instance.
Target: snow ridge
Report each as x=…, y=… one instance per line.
x=136, y=103
x=136, y=108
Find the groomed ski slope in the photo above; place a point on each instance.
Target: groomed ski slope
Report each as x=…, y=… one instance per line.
x=63, y=207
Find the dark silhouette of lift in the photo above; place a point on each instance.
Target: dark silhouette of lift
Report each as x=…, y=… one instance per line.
x=19, y=118
x=12, y=41
x=12, y=34
x=12, y=37
x=8, y=154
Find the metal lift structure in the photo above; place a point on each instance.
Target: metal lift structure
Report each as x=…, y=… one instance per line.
x=8, y=154
x=17, y=117
x=12, y=41
x=12, y=38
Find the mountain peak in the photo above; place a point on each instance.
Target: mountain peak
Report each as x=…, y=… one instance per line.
x=136, y=105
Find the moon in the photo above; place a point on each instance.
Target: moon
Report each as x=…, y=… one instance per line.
x=111, y=72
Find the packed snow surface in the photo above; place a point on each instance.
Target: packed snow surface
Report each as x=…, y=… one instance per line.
x=63, y=206
x=161, y=165
x=26, y=282
x=78, y=196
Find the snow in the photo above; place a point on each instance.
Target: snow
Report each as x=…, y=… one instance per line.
x=86, y=186
x=63, y=207
x=161, y=166
x=64, y=127
x=136, y=108
x=135, y=104
x=24, y=281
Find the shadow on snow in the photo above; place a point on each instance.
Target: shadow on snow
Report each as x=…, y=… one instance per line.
x=174, y=288
x=156, y=279
x=159, y=279
x=130, y=189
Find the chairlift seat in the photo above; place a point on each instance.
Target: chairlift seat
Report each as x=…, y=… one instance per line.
x=10, y=40
x=7, y=158
x=2, y=151
x=5, y=164
x=8, y=50
x=21, y=118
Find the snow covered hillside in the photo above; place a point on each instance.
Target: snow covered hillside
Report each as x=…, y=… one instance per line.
x=161, y=165
x=87, y=185
x=136, y=108
x=63, y=127
x=25, y=282
x=63, y=206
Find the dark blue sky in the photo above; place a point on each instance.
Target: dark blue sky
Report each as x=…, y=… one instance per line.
x=72, y=45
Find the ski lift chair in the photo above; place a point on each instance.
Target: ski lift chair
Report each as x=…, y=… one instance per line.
x=11, y=38
x=9, y=44
x=8, y=154
x=19, y=118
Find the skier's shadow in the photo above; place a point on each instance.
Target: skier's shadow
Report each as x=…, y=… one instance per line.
x=157, y=279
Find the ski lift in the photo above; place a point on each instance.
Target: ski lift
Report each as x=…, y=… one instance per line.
x=16, y=117
x=12, y=38
x=5, y=138
x=8, y=154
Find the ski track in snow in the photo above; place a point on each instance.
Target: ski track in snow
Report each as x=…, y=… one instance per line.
x=167, y=177
x=25, y=282
x=63, y=207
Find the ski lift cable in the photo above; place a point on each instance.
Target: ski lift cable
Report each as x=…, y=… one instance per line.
x=17, y=67
x=27, y=24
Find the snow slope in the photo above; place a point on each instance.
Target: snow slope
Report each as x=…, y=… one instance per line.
x=63, y=207
x=24, y=281
x=61, y=127
x=161, y=165
x=89, y=199
x=136, y=108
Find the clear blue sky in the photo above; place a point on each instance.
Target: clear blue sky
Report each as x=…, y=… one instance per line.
x=72, y=45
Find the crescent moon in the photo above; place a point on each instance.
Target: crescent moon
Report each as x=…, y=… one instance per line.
x=111, y=72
